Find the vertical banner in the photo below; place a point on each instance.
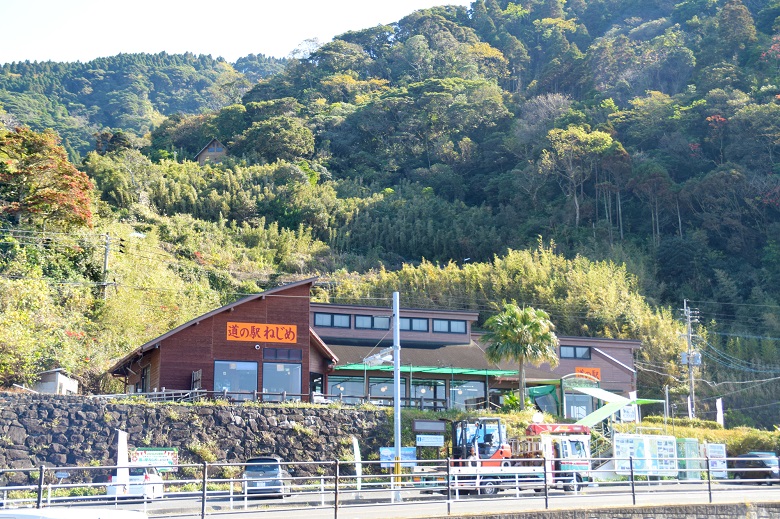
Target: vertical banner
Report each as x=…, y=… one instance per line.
x=358, y=464
x=719, y=408
x=690, y=408
x=632, y=396
x=122, y=461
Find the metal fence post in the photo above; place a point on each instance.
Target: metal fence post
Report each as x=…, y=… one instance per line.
x=633, y=487
x=40, y=486
x=709, y=477
x=336, y=492
x=449, y=488
x=546, y=490
x=205, y=492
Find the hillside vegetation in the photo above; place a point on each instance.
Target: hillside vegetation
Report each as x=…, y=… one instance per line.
x=600, y=159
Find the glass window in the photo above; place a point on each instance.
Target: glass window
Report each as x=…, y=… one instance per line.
x=363, y=321
x=414, y=324
x=341, y=321
x=239, y=379
x=448, y=326
x=467, y=394
x=381, y=390
x=578, y=406
x=280, y=377
x=332, y=320
x=457, y=326
x=282, y=354
x=575, y=352
x=370, y=322
x=347, y=389
x=431, y=394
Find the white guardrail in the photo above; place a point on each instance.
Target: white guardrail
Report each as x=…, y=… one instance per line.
x=224, y=488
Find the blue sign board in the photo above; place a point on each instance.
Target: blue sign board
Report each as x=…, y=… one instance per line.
x=387, y=457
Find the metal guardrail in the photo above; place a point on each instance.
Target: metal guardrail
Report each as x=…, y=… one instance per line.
x=195, y=395
x=338, y=484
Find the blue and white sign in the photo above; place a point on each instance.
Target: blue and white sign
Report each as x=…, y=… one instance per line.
x=430, y=440
x=387, y=457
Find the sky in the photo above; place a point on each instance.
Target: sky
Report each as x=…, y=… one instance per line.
x=82, y=30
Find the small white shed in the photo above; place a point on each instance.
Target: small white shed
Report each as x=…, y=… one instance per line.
x=56, y=381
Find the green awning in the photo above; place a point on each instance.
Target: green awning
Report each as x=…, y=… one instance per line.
x=430, y=369
x=535, y=391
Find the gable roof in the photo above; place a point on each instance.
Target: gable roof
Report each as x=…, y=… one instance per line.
x=262, y=295
x=213, y=139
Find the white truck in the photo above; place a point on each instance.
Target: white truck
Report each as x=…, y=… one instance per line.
x=483, y=460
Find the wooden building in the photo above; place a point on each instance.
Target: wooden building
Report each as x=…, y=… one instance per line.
x=211, y=152
x=259, y=344
x=279, y=345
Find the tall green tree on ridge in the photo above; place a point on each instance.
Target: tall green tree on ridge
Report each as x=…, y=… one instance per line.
x=522, y=335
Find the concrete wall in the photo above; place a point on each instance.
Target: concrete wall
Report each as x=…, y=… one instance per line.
x=57, y=431
x=719, y=511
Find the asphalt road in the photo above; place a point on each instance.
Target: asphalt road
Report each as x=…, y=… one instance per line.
x=413, y=504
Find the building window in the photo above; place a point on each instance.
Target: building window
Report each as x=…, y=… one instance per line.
x=381, y=390
x=349, y=390
x=280, y=378
x=449, y=326
x=282, y=354
x=370, y=322
x=410, y=324
x=575, y=352
x=467, y=394
x=239, y=379
x=332, y=320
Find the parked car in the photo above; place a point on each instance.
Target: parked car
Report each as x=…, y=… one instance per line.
x=144, y=482
x=70, y=513
x=757, y=465
x=266, y=475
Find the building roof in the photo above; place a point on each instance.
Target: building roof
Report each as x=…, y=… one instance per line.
x=442, y=359
x=115, y=369
x=207, y=145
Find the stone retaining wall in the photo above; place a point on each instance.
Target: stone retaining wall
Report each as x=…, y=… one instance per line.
x=58, y=431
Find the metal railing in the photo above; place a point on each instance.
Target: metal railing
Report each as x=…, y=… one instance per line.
x=223, y=488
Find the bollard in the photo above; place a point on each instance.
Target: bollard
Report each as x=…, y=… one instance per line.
x=449, y=488
x=205, y=492
x=40, y=486
x=336, y=492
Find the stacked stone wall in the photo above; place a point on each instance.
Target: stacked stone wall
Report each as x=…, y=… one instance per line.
x=68, y=431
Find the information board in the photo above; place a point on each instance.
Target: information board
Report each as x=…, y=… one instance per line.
x=653, y=455
x=164, y=459
x=716, y=452
x=387, y=457
x=430, y=440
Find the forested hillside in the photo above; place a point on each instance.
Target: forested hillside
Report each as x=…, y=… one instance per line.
x=131, y=93
x=629, y=146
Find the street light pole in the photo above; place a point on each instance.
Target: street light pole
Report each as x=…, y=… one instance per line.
x=397, y=383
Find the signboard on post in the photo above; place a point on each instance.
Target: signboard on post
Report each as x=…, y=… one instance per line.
x=165, y=459
x=430, y=440
x=429, y=426
x=652, y=455
x=716, y=452
x=387, y=457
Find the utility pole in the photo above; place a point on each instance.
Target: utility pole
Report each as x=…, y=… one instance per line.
x=691, y=358
x=105, y=265
x=397, y=389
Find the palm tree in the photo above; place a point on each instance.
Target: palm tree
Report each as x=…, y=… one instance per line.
x=523, y=335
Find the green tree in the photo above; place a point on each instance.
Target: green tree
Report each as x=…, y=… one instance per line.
x=522, y=335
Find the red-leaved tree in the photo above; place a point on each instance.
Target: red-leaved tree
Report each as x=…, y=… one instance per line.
x=38, y=184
